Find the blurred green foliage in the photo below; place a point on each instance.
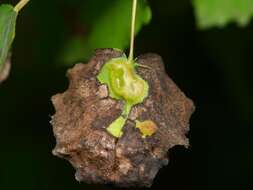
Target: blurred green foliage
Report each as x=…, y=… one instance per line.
x=110, y=28
x=108, y=25
x=7, y=30
x=219, y=13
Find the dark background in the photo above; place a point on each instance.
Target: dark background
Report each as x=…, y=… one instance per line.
x=213, y=67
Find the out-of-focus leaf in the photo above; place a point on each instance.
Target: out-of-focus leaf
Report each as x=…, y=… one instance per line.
x=219, y=13
x=111, y=29
x=7, y=31
x=5, y=70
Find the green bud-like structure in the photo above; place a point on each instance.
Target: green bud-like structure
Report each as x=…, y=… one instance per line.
x=123, y=82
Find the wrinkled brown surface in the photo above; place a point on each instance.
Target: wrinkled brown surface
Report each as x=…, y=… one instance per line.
x=84, y=111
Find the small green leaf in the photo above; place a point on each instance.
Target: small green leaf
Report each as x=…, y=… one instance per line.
x=7, y=30
x=110, y=29
x=115, y=128
x=219, y=13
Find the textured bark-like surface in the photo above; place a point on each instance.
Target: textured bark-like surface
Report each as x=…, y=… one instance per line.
x=85, y=109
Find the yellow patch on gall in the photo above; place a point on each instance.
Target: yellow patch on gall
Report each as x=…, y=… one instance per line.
x=147, y=128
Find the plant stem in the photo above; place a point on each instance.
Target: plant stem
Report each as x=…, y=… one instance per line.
x=20, y=5
x=126, y=110
x=131, y=53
